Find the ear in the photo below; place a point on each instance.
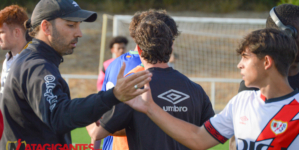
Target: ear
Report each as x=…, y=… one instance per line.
x=111, y=49
x=46, y=27
x=268, y=62
x=139, y=50
x=17, y=32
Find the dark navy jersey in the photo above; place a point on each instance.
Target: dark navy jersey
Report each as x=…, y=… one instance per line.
x=132, y=60
x=175, y=94
x=293, y=81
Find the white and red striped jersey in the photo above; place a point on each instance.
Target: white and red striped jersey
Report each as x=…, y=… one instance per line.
x=257, y=123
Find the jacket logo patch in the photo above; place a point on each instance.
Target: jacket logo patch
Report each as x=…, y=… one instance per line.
x=50, y=97
x=278, y=127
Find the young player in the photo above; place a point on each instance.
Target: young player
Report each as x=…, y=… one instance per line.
x=119, y=141
x=12, y=36
x=117, y=47
x=132, y=59
x=264, y=119
x=286, y=18
x=286, y=14
x=174, y=92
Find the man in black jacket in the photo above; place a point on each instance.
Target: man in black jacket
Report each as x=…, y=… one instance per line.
x=36, y=102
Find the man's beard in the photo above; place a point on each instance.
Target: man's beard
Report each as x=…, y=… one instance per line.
x=60, y=44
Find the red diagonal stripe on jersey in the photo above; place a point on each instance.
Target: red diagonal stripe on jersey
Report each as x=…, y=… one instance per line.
x=284, y=138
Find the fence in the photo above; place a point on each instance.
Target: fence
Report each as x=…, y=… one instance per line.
x=210, y=80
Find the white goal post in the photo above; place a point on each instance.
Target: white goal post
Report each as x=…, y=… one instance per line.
x=205, y=50
x=206, y=46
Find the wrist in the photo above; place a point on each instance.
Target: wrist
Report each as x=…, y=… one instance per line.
x=152, y=106
x=114, y=90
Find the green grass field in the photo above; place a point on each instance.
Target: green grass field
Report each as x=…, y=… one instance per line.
x=80, y=136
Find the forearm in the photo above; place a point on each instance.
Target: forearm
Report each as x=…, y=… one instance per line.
x=90, y=128
x=191, y=136
x=70, y=114
x=99, y=133
x=90, y=109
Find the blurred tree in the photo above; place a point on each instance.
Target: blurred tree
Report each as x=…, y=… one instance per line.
x=294, y=2
x=118, y=6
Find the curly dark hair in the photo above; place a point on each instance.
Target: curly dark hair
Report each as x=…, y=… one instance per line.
x=155, y=39
x=287, y=13
x=275, y=43
x=160, y=15
x=118, y=39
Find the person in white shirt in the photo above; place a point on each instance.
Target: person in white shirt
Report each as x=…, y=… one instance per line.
x=13, y=36
x=263, y=119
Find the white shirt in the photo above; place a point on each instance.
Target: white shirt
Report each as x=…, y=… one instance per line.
x=258, y=124
x=6, y=68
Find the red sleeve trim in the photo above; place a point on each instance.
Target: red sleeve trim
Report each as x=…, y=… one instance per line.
x=1, y=124
x=209, y=127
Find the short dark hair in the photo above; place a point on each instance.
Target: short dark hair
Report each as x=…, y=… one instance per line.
x=159, y=14
x=287, y=14
x=275, y=43
x=118, y=39
x=155, y=39
x=32, y=32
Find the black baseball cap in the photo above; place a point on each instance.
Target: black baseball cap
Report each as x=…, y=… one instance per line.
x=64, y=9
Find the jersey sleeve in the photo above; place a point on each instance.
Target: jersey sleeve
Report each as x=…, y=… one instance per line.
x=207, y=111
x=106, y=78
x=100, y=80
x=47, y=95
x=1, y=125
x=117, y=118
x=221, y=125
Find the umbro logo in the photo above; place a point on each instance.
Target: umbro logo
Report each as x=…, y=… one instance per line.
x=75, y=4
x=173, y=96
x=243, y=119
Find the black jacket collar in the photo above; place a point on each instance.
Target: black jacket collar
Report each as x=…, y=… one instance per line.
x=47, y=51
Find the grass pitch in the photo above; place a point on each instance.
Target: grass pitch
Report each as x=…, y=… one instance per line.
x=80, y=136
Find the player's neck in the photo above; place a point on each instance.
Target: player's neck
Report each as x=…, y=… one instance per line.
x=157, y=65
x=275, y=87
x=149, y=65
